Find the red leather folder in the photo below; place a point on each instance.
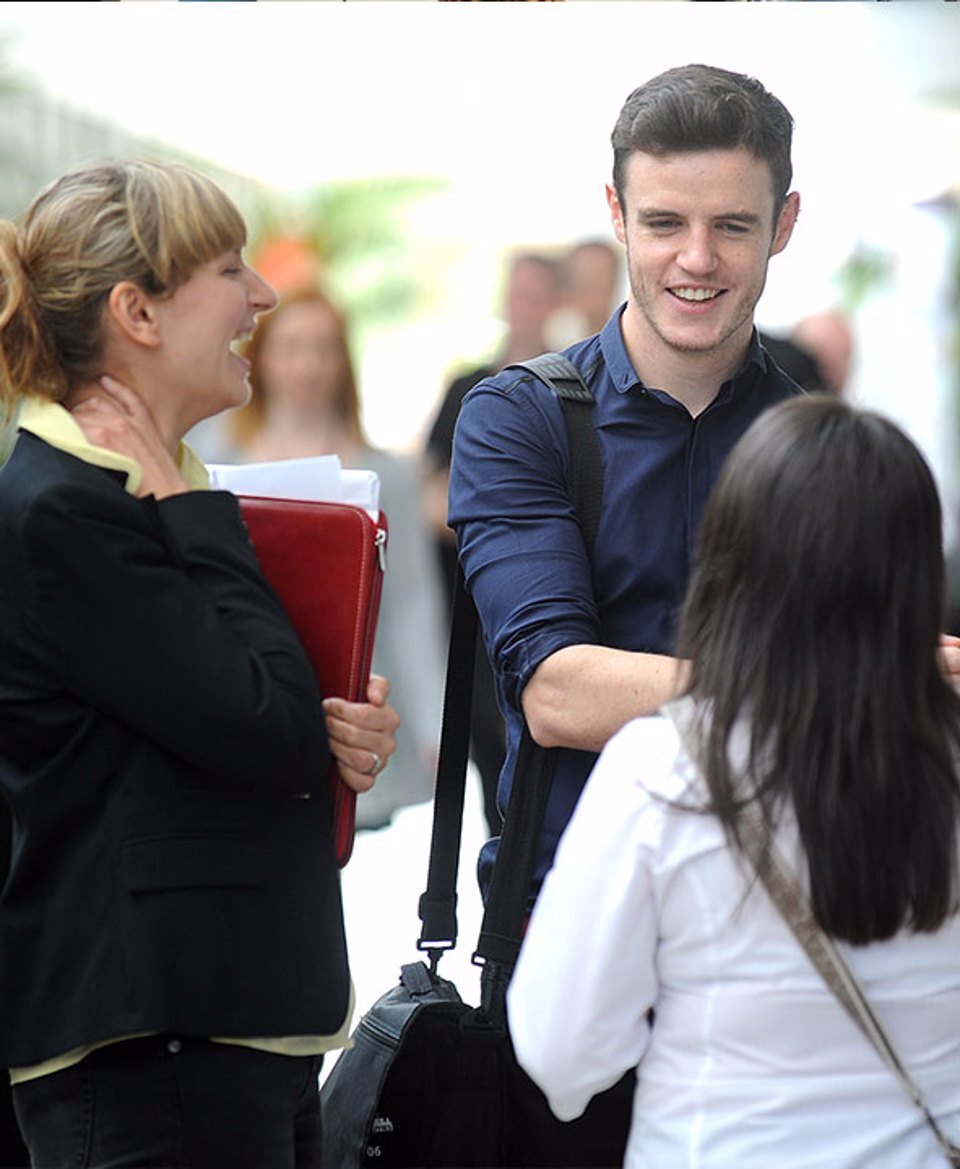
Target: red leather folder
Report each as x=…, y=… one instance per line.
x=325, y=562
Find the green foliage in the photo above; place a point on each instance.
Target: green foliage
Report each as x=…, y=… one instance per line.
x=358, y=232
x=864, y=271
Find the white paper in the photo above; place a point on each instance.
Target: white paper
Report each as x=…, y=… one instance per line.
x=321, y=477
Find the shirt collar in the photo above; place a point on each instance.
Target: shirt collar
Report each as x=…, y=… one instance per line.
x=624, y=376
x=56, y=426
x=619, y=367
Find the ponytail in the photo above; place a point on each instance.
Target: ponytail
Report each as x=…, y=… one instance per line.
x=27, y=357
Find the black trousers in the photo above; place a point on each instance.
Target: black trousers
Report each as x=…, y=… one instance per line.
x=173, y=1102
x=13, y=1152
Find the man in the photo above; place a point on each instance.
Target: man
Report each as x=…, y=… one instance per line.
x=701, y=201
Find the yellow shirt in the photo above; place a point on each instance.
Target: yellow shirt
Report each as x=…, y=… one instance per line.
x=56, y=426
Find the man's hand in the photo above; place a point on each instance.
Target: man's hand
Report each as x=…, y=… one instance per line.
x=949, y=657
x=362, y=734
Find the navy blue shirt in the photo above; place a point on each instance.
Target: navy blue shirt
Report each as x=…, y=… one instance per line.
x=520, y=544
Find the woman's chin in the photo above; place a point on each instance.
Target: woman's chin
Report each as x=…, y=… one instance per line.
x=236, y=396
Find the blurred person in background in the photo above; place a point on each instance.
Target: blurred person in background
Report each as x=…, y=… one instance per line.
x=828, y=336
x=532, y=295
x=304, y=401
x=817, y=352
x=591, y=275
x=173, y=961
x=845, y=741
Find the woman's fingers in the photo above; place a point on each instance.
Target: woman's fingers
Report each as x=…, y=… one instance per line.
x=362, y=735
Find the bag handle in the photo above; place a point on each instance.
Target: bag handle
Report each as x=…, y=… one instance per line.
x=438, y=903
x=506, y=907
x=793, y=905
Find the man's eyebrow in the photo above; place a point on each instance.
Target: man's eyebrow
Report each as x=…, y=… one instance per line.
x=657, y=213
x=749, y=218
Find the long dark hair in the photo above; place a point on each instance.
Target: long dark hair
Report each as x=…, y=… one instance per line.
x=814, y=611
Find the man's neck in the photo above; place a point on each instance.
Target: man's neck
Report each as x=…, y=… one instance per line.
x=692, y=377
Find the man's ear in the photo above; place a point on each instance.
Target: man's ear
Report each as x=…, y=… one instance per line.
x=786, y=222
x=133, y=313
x=616, y=213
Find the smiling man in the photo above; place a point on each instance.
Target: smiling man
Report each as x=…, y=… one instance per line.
x=701, y=200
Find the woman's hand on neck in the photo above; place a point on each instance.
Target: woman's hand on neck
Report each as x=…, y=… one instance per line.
x=114, y=416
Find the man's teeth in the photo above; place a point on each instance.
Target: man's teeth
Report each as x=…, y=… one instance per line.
x=696, y=293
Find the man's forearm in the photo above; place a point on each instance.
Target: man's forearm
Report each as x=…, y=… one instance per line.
x=580, y=696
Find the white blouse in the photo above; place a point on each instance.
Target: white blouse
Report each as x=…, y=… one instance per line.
x=751, y=1062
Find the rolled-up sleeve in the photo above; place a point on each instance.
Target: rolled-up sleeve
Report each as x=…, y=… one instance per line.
x=519, y=541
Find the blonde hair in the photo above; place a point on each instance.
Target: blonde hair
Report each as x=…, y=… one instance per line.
x=150, y=223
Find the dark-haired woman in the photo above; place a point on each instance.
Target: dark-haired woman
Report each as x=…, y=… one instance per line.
x=819, y=690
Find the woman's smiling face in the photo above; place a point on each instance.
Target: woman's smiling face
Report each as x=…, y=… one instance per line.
x=199, y=326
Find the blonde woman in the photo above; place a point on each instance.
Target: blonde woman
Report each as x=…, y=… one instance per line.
x=172, y=954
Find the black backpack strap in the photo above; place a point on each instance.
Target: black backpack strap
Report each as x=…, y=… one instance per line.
x=559, y=374
x=506, y=906
x=507, y=898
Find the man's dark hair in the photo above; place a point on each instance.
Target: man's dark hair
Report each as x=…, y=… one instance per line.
x=701, y=107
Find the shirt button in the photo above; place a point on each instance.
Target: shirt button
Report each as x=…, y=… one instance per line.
x=174, y=1046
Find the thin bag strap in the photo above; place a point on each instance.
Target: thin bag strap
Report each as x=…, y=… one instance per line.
x=438, y=904
x=505, y=910
x=786, y=894
x=794, y=907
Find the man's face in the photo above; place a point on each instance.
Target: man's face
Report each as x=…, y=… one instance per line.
x=699, y=230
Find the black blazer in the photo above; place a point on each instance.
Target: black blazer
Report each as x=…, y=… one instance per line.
x=163, y=752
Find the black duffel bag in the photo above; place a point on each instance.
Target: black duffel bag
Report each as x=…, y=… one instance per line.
x=431, y=1083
